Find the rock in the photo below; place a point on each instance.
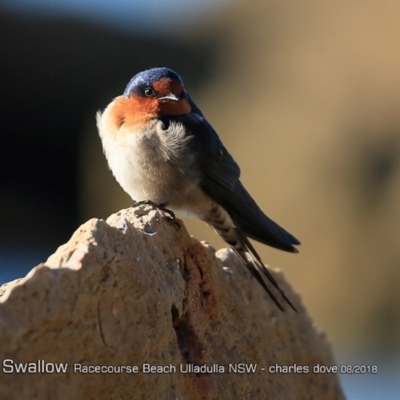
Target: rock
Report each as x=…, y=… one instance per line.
x=137, y=292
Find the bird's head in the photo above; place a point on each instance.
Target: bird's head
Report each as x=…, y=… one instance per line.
x=150, y=94
x=158, y=91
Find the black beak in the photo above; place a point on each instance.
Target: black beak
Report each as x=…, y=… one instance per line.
x=170, y=96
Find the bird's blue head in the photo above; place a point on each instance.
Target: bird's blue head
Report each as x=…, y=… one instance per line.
x=152, y=79
x=158, y=91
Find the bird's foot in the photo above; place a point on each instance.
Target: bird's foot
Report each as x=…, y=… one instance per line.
x=166, y=212
x=150, y=203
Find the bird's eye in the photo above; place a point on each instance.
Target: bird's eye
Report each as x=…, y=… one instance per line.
x=149, y=91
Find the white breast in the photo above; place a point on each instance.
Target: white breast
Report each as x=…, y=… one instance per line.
x=151, y=165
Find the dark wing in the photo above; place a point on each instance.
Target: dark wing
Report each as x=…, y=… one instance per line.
x=220, y=181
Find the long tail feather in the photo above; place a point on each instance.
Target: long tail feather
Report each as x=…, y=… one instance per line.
x=222, y=223
x=255, y=264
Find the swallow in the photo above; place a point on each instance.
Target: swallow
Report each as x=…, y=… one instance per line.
x=162, y=150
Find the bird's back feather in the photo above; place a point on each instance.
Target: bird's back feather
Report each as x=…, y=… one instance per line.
x=220, y=181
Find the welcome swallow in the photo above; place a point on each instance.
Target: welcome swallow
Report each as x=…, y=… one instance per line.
x=161, y=149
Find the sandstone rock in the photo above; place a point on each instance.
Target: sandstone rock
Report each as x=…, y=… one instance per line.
x=137, y=289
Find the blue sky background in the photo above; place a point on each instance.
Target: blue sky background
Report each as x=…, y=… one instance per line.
x=154, y=16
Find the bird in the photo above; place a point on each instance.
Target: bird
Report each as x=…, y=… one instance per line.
x=161, y=149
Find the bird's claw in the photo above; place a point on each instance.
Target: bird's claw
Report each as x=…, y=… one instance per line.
x=166, y=212
x=169, y=215
x=149, y=202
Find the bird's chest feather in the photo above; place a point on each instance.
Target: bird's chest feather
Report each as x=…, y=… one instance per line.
x=153, y=164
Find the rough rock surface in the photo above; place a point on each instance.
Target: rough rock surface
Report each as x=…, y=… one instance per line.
x=137, y=289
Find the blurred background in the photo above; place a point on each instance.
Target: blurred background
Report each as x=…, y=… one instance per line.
x=306, y=97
